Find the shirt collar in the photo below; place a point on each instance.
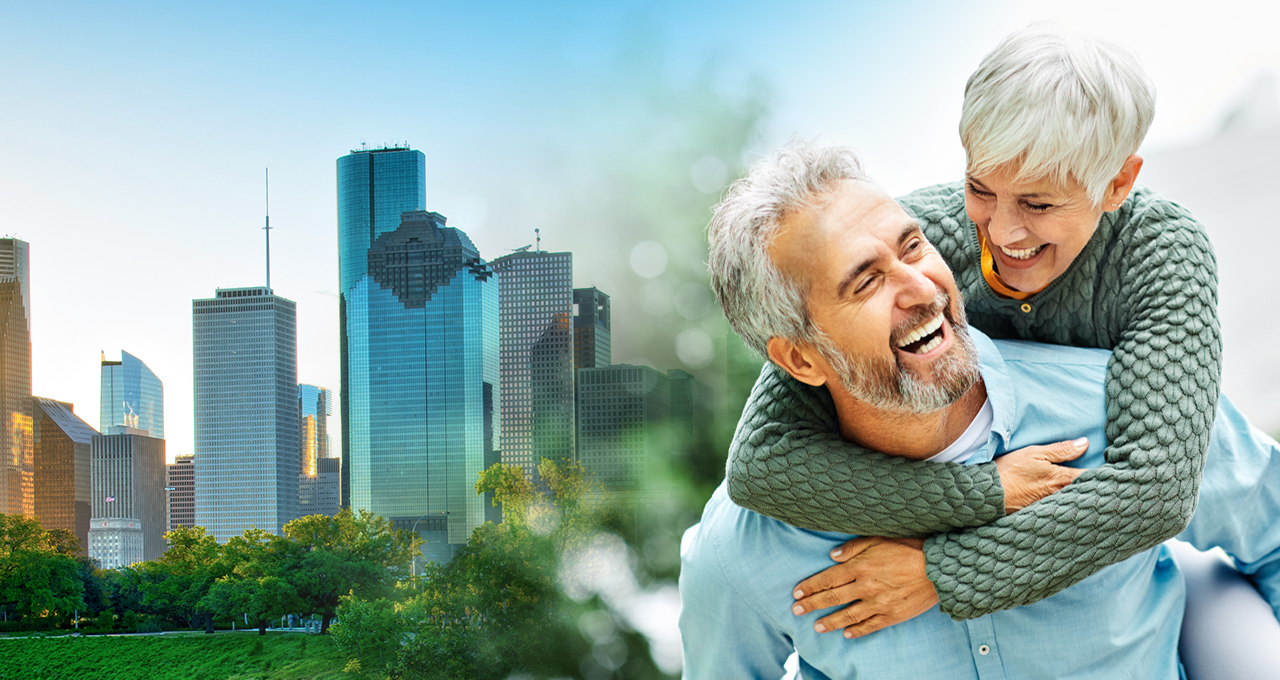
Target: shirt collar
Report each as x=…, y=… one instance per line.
x=1000, y=391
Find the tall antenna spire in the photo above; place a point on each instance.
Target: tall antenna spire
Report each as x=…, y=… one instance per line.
x=267, y=228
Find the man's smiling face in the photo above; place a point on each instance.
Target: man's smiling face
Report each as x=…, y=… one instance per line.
x=883, y=298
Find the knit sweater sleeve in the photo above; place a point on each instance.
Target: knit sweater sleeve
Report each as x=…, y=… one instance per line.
x=788, y=461
x=1162, y=389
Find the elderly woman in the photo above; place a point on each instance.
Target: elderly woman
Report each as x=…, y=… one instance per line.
x=1050, y=240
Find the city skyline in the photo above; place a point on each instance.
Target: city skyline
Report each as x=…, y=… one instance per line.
x=146, y=133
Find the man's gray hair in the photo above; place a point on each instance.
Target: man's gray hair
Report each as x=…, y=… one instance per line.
x=1064, y=106
x=760, y=301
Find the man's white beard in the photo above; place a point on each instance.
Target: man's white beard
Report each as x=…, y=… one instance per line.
x=887, y=385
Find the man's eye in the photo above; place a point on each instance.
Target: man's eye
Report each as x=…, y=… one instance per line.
x=864, y=285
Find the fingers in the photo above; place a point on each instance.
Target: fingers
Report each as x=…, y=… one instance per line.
x=827, y=579
x=1065, y=451
x=852, y=548
x=849, y=616
x=826, y=599
x=867, y=627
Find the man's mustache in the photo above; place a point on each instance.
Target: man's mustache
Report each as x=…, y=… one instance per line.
x=922, y=313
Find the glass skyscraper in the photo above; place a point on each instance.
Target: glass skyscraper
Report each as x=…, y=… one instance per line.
x=17, y=466
x=246, y=411
x=537, y=357
x=131, y=396
x=419, y=348
x=374, y=187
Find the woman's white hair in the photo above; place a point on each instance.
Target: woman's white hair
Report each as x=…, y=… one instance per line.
x=1065, y=107
x=760, y=301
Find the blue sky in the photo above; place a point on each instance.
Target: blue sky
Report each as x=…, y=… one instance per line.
x=135, y=134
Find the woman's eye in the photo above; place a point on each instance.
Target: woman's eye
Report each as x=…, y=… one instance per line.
x=1038, y=207
x=978, y=192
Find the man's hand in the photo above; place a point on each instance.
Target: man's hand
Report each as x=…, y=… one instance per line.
x=1030, y=474
x=884, y=579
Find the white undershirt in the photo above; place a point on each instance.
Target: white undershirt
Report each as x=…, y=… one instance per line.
x=973, y=439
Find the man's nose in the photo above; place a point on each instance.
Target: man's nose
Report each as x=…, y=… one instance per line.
x=917, y=289
x=1006, y=225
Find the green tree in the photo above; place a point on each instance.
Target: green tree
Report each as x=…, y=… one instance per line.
x=39, y=574
x=175, y=585
x=365, y=625
x=251, y=583
x=349, y=553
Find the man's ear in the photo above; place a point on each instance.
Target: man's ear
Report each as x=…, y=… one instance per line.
x=798, y=360
x=1122, y=184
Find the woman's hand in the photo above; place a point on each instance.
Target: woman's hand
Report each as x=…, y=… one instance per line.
x=1030, y=474
x=884, y=579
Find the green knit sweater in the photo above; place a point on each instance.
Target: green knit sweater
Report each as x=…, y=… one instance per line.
x=1145, y=286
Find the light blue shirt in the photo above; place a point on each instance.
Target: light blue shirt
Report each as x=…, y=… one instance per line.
x=739, y=567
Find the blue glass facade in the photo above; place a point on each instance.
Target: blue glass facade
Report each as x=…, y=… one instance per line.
x=131, y=396
x=419, y=349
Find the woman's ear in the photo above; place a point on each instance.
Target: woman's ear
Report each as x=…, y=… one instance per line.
x=802, y=361
x=1119, y=188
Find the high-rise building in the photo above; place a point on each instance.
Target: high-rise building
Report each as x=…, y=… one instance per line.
x=131, y=396
x=246, y=411
x=374, y=187
x=633, y=418
x=315, y=405
x=61, y=449
x=127, y=474
x=422, y=350
x=592, y=342
x=318, y=494
x=537, y=357
x=419, y=351
x=17, y=466
x=180, y=483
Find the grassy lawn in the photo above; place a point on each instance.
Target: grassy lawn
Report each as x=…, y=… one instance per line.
x=189, y=656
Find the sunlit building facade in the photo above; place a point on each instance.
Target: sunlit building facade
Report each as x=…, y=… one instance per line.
x=419, y=350
x=246, y=411
x=131, y=396
x=537, y=357
x=315, y=405
x=127, y=478
x=17, y=465
x=318, y=494
x=61, y=449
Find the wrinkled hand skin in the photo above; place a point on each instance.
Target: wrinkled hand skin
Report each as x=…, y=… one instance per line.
x=883, y=578
x=1033, y=473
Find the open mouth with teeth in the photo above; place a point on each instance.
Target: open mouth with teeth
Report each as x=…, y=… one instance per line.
x=923, y=338
x=1022, y=253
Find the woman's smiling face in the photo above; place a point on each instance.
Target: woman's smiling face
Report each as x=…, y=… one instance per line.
x=1034, y=229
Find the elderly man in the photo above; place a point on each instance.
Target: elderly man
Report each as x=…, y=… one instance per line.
x=908, y=377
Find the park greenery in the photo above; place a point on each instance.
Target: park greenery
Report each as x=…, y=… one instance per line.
x=512, y=600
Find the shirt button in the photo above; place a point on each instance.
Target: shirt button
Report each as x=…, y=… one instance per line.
x=983, y=650
x=1026, y=307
